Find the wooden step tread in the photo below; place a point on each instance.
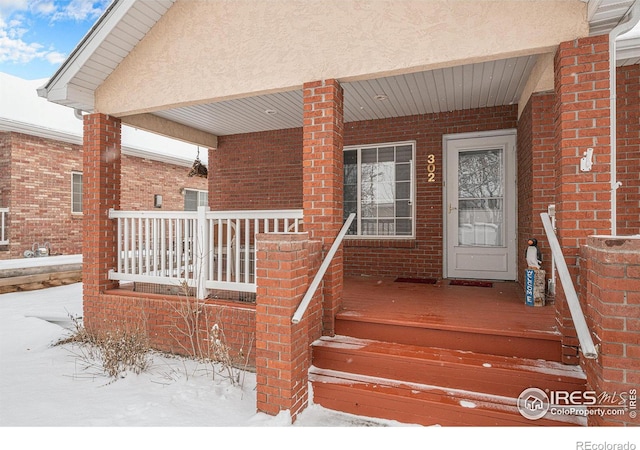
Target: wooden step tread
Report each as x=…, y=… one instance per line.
x=446, y=355
x=419, y=403
x=491, y=374
x=504, y=342
x=409, y=321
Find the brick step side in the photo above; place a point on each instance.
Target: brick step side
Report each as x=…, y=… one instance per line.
x=530, y=345
x=491, y=374
x=420, y=404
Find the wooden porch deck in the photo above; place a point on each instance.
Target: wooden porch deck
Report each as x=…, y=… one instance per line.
x=497, y=310
x=440, y=354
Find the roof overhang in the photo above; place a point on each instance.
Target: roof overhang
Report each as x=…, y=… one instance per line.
x=474, y=84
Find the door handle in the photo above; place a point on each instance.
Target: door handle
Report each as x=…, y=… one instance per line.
x=452, y=208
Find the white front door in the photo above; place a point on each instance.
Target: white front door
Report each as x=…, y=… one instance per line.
x=480, y=206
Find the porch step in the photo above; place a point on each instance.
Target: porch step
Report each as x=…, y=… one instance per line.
x=427, y=385
x=521, y=343
x=419, y=404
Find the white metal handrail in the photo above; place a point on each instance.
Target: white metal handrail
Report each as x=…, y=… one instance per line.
x=582, y=329
x=204, y=249
x=4, y=212
x=304, y=304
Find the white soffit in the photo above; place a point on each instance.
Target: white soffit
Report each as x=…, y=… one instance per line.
x=604, y=15
x=492, y=83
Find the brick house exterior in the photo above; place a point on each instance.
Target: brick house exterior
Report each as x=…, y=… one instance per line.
x=302, y=166
x=36, y=187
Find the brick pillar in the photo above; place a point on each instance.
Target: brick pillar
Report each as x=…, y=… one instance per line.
x=613, y=315
x=323, y=181
x=536, y=175
x=282, y=348
x=101, y=191
x=582, y=121
x=628, y=142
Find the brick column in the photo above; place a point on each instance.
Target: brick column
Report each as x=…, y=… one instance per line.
x=100, y=192
x=628, y=139
x=323, y=181
x=613, y=315
x=582, y=121
x=282, y=348
x=536, y=175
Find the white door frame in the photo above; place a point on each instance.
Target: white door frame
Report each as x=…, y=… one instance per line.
x=510, y=183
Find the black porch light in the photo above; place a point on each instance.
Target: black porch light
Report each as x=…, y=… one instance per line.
x=198, y=169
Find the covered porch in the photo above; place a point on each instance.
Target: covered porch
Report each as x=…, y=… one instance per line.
x=329, y=134
x=440, y=353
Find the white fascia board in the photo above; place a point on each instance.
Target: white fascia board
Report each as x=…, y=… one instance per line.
x=39, y=131
x=70, y=138
x=85, y=49
x=628, y=49
x=592, y=8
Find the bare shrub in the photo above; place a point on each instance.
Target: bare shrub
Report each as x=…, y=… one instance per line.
x=113, y=353
x=198, y=335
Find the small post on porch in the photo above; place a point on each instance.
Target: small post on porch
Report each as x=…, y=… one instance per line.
x=323, y=175
x=101, y=192
x=201, y=259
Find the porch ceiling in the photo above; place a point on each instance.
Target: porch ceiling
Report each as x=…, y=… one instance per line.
x=469, y=86
x=489, y=83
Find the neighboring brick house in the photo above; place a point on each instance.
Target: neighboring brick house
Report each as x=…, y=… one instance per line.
x=447, y=127
x=41, y=177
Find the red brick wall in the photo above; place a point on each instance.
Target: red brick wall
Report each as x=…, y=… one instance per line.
x=257, y=171
x=583, y=199
x=35, y=175
x=5, y=168
x=240, y=170
x=143, y=178
x=168, y=321
x=5, y=184
x=611, y=268
x=628, y=149
x=285, y=264
x=422, y=257
x=40, y=195
x=536, y=175
x=323, y=178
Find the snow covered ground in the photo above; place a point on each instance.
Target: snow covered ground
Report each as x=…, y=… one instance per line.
x=46, y=386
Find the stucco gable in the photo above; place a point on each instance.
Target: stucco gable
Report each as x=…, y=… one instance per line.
x=203, y=51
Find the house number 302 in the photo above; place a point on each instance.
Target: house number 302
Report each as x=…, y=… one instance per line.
x=431, y=168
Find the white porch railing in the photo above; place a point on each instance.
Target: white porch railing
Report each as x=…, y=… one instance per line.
x=204, y=249
x=4, y=212
x=582, y=329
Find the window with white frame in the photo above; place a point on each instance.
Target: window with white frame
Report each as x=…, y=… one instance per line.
x=194, y=198
x=378, y=187
x=76, y=192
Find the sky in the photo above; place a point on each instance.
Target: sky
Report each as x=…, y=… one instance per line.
x=36, y=36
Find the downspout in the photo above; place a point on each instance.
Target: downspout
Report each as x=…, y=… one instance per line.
x=631, y=20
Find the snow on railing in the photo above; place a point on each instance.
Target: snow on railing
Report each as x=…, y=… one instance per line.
x=204, y=249
x=4, y=239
